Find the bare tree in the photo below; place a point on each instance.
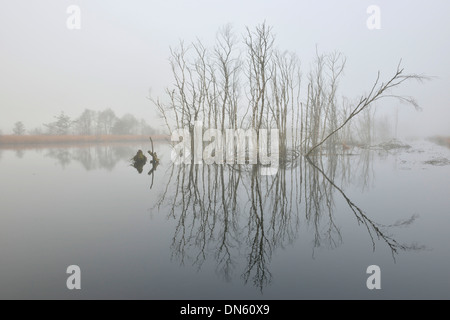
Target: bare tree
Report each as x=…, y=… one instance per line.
x=259, y=63
x=85, y=123
x=61, y=126
x=377, y=92
x=106, y=120
x=19, y=128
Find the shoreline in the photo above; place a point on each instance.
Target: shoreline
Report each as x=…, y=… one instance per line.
x=27, y=141
x=441, y=140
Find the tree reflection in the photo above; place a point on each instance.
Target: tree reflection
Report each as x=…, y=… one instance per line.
x=139, y=166
x=19, y=153
x=62, y=155
x=92, y=157
x=374, y=229
x=226, y=212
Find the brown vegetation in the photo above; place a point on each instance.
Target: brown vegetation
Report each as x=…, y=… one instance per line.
x=443, y=141
x=11, y=140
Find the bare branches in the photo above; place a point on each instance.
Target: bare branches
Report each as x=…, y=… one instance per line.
x=259, y=59
x=375, y=230
x=208, y=83
x=377, y=92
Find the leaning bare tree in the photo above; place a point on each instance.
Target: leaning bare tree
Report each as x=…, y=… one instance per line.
x=379, y=90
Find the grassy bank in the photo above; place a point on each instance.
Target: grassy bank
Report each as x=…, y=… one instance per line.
x=12, y=140
x=443, y=141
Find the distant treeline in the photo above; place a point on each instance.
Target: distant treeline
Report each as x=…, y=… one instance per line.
x=90, y=122
x=25, y=141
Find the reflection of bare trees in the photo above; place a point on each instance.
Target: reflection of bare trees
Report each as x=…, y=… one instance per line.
x=224, y=213
x=374, y=229
x=214, y=221
x=319, y=202
x=92, y=157
x=61, y=154
x=19, y=153
x=365, y=168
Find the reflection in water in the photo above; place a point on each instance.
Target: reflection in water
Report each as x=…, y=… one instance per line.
x=364, y=166
x=374, y=229
x=140, y=160
x=151, y=173
x=19, y=153
x=93, y=156
x=139, y=166
x=358, y=169
x=63, y=155
x=225, y=211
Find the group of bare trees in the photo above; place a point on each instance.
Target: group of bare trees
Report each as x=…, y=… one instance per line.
x=90, y=122
x=91, y=157
x=252, y=84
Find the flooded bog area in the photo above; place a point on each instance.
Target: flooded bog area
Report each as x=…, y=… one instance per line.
x=225, y=231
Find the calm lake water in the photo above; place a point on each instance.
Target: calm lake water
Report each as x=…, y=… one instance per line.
x=223, y=232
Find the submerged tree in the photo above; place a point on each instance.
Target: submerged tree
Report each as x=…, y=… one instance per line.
x=255, y=85
x=378, y=91
x=238, y=218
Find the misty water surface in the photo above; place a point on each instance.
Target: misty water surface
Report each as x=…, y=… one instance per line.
x=224, y=232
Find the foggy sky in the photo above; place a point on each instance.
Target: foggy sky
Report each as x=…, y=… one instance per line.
x=122, y=50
